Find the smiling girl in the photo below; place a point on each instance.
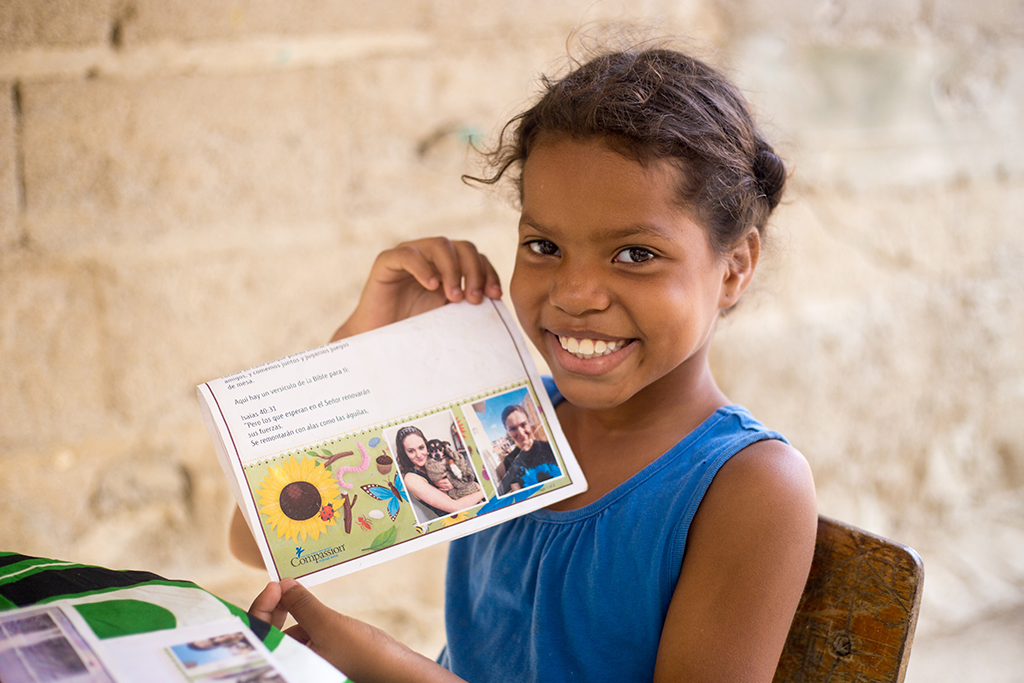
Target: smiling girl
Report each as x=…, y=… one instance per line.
x=645, y=189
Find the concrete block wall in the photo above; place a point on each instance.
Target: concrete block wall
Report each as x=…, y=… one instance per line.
x=190, y=189
x=887, y=340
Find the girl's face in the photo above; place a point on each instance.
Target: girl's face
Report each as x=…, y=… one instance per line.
x=616, y=285
x=415, y=449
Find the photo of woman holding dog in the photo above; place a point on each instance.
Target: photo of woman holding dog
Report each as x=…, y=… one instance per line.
x=436, y=471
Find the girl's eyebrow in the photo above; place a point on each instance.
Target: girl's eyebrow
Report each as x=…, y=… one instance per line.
x=625, y=232
x=634, y=230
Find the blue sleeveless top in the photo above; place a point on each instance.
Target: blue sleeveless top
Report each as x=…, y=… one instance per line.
x=582, y=595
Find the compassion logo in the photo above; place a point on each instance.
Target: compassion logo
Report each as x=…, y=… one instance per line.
x=317, y=557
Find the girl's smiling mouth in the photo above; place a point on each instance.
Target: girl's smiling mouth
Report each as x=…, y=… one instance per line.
x=585, y=349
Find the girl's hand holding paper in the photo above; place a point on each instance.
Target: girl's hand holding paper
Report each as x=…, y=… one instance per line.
x=419, y=276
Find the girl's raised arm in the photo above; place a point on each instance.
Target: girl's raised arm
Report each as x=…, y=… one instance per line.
x=418, y=276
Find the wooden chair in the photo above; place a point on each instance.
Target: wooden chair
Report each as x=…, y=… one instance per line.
x=858, y=612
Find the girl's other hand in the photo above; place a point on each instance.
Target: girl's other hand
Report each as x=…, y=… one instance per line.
x=267, y=606
x=363, y=652
x=419, y=276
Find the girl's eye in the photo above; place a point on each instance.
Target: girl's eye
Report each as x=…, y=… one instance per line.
x=543, y=247
x=634, y=255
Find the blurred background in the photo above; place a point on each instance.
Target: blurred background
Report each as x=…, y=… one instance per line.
x=190, y=189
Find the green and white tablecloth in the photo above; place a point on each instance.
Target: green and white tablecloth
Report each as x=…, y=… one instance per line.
x=121, y=603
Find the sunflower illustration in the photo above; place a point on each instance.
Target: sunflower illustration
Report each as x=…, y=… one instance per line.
x=294, y=498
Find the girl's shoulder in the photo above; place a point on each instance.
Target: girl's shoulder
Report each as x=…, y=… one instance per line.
x=765, y=491
x=770, y=465
x=765, y=466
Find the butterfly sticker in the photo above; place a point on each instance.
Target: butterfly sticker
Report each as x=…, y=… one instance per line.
x=393, y=494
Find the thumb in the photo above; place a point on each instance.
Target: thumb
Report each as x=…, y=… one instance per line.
x=317, y=626
x=302, y=605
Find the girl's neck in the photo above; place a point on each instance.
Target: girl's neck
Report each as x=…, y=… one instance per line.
x=614, y=444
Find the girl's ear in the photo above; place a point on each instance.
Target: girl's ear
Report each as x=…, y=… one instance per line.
x=741, y=262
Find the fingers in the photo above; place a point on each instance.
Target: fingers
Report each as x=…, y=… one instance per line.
x=303, y=605
x=457, y=266
x=419, y=276
x=341, y=640
x=267, y=607
x=408, y=259
x=480, y=278
x=298, y=633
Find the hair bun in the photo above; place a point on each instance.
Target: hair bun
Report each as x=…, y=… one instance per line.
x=770, y=174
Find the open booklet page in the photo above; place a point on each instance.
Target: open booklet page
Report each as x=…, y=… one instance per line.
x=371, y=447
x=57, y=643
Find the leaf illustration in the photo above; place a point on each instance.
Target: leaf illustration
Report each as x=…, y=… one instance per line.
x=384, y=539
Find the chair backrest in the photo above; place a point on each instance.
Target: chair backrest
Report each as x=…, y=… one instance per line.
x=858, y=612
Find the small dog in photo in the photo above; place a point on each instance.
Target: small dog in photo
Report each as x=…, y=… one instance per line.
x=444, y=462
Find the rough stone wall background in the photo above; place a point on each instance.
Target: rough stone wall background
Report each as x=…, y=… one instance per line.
x=187, y=190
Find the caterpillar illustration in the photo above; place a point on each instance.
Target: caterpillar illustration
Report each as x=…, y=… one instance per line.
x=338, y=472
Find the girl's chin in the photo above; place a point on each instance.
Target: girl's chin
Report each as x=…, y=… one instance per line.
x=585, y=393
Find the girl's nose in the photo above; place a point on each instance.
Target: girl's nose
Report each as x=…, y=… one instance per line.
x=578, y=288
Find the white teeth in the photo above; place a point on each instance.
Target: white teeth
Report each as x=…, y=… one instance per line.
x=590, y=348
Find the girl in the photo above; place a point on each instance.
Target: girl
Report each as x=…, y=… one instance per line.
x=645, y=188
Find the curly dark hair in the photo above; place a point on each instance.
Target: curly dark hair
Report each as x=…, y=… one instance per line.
x=657, y=103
